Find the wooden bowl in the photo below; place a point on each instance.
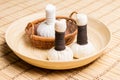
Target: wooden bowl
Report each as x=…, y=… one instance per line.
x=46, y=42
x=98, y=34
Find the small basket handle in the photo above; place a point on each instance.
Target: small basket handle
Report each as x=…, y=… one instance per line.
x=74, y=12
x=30, y=25
x=70, y=16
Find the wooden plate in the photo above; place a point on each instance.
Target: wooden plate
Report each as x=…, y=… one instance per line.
x=98, y=34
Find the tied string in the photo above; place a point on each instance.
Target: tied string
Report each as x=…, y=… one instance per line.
x=59, y=41
x=82, y=35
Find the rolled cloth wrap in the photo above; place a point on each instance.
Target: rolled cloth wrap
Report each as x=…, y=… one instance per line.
x=59, y=41
x=82, y=35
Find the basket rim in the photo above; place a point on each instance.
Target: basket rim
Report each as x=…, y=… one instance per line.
x=50, y=38
x=35, y=37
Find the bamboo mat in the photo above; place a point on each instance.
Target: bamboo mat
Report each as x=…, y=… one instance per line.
x=107, y=67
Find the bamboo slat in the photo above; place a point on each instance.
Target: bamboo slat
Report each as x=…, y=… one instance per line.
x=104, y=68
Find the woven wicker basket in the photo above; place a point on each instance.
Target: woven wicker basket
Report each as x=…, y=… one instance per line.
x=46, y=42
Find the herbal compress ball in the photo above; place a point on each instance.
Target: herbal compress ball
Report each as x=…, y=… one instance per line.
x=60, y=52
x=46, y=28
x=82, y=47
